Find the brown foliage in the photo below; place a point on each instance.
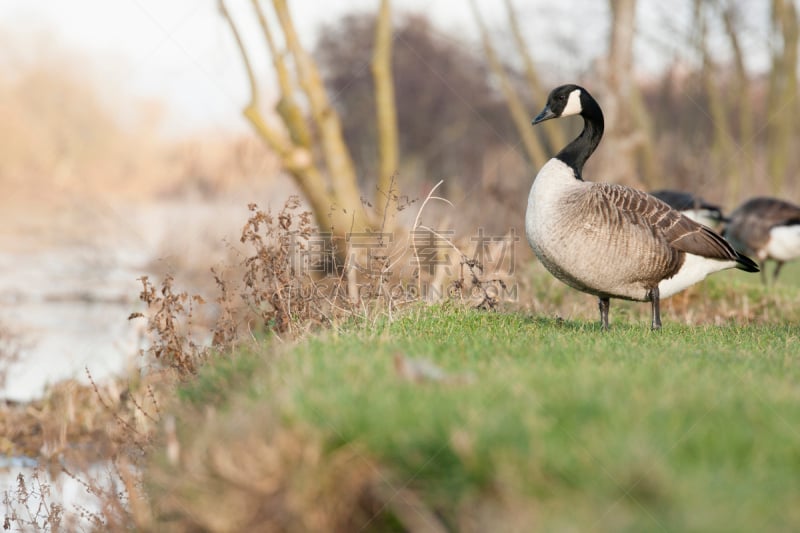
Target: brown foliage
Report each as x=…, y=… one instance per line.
x=445, y=103
x=273, y=284
x=34, y=497
x=259, y=475
x=171, y=325
x=71, y=431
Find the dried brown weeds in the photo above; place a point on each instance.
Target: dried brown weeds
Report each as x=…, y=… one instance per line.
x=77, y=430
x=170, y=325
x=28, y=507
x=273, y=285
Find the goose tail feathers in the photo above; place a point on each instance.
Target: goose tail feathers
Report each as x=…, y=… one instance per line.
x=745, y=263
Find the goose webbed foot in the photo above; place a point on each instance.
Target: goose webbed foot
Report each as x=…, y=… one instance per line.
x=656, y=307
x=603, y=304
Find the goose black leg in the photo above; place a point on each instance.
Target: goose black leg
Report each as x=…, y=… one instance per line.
x=778, y=267
x=656, y=304
x=761, y=266
x=604, y=304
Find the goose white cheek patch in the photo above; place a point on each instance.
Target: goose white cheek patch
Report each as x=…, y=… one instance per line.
x=573, y=106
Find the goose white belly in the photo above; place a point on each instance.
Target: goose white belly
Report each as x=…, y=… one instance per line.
x=784, y=243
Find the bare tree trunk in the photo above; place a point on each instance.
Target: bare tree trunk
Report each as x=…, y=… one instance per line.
x=522, y=119
x=296, y=158
x=723, y=151
x=337, y=156
x=385, y=108
x=740, y=100
x=287, y=106
x=553, y=129
x=312, y=127
x=783, y=93
x=627, y=134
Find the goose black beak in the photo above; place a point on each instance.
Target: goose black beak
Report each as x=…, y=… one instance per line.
x=546, y=114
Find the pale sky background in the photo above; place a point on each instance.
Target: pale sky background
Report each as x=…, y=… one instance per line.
x=181, y=52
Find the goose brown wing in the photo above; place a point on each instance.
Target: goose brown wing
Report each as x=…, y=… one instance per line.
x=679, y=231
x=782, y=213
x=753, y=220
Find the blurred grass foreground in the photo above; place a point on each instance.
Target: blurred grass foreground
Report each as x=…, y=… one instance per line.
x=450, y=419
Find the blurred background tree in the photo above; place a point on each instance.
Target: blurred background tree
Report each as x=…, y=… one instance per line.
x=698, y=95
x=446, y=104
x=713, y=117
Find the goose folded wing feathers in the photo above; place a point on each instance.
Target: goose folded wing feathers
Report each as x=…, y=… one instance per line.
x=679, y=231
x=702, y=241
x=758, y=216
x=752, y=222
x=786, y=215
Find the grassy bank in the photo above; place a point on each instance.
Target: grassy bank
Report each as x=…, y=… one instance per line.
x=453, y=419
x=435, y=418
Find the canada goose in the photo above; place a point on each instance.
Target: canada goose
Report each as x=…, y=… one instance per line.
x=692, y=206
x=609, y=240
x=767, y=228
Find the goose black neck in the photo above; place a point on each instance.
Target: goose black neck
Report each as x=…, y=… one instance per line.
x=576, y=153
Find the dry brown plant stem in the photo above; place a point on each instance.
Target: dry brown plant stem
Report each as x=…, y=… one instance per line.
x=416, y=226
x=385, y=108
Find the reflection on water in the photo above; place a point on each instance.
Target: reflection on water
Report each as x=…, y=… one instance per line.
x=70, y=307
x=16, y=463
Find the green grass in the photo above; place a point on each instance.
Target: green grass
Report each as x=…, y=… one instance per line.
x=562, y=427
x=221, y=381
x=729, y=297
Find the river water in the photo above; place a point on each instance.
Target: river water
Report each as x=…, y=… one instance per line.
x=67, y=309
x=67, y=303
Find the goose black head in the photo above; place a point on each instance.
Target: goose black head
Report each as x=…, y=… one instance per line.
x=563, y=101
